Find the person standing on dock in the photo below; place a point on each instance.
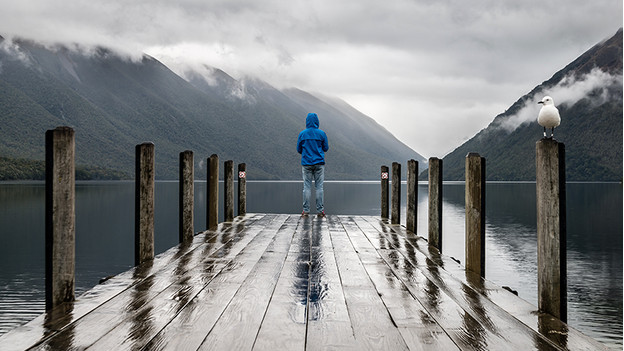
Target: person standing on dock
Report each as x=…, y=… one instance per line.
x=312, y=145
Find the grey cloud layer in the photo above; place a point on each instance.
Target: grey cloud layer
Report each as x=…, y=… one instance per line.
x=402, y=62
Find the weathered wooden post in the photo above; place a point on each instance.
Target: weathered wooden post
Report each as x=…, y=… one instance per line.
x=412, y=196
x=242, y=189
x=60, y=218
x=551, y=228
x=435, y=202
x=212, y=198
x=395, y=217
x=144, y=203
x=475, y=213
x=186, y=194
x=228, y=190
x=385, y=192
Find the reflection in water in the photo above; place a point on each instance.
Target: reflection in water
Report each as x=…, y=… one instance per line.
x=22, y=294
x=105, y=238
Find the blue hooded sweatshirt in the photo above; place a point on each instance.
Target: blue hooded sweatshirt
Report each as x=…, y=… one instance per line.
x=312, y=143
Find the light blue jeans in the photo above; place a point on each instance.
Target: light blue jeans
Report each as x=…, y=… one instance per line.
x=316, y=172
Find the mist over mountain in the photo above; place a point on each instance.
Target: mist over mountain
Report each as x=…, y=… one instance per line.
x=588, y=94
x=115, y=103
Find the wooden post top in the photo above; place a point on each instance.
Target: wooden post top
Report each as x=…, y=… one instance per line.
x=63, y=129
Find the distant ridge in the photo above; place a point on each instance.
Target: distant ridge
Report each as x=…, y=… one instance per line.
x=115, y=103
x=588, y=94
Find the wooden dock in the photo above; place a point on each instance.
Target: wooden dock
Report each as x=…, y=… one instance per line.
x=282, y=282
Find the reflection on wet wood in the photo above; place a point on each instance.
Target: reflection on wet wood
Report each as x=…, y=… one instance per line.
x=329, y=325
x=545, y=325
x=281, y=282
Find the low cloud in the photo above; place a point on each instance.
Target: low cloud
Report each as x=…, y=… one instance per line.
x=13, y=51
x=567, y=92
x=432, y=72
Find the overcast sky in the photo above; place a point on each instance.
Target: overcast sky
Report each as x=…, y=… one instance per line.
x=433, y=73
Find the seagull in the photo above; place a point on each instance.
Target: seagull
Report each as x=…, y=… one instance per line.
x=548, y=116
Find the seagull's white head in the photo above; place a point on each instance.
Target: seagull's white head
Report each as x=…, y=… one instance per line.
x=547, y=100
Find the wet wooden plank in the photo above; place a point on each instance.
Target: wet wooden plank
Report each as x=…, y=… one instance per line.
x=285, y=282
x=329, y=324
x=150, y=281
x=479, y=326
x=464, y=330
x=473, y=294
x=141, y=324
x=416, y=326
x=520, y=309
x=555, y=330
x=188, y=329
x=238, y=325
x=46, y=325
x=408, y=313
x=284, y=324
x=371, y=322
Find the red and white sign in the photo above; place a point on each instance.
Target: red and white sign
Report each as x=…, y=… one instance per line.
x=384, y=175
x=242, y=174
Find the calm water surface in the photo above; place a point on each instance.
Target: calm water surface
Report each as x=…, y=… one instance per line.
x=105, y=238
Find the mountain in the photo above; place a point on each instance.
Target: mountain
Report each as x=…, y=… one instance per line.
x=279, y=113
x=588, y=94
x=115, y=103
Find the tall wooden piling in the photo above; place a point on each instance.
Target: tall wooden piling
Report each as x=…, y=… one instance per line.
x=412, y=196
x=60, y=218
x=212, y=197
x=435, y=202
x=144, y=203
x=395, y=217
x=475, y=213
x=228, y=190
x=242, y=189
x=385, y=194
x=551, y=228
x=186, y=193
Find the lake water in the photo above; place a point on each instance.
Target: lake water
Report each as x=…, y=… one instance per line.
x=105, y=238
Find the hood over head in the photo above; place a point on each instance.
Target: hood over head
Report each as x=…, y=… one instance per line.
x=312, y=121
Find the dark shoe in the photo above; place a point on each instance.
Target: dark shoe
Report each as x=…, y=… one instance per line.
x=321, y=215
x=304, y=214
